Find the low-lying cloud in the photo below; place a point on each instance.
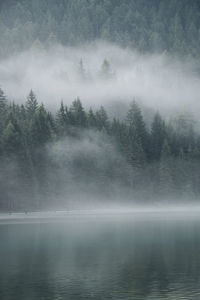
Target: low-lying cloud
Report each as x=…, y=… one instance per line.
x=158, y=82
x=87, y=168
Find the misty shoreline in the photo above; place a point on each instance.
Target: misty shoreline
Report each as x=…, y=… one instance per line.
x=143, y=213
x=76, y=157
x=99, y=149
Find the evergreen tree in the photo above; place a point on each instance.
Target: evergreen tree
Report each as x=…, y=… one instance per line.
x=158, y=134
x=91, y=119
x=43, y=126
x=62, y=120
x=3, y=108
x=117, y=155
x=148, y=26
x=78, y=114
x=136, y=123
x=3, y=102
x=31, y=105
x=11, y=139
x=166, y=184
x=102, y=121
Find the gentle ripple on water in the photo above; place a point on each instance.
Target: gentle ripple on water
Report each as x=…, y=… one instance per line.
x=101, y=259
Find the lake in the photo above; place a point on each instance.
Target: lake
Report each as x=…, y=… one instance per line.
x=128, y=256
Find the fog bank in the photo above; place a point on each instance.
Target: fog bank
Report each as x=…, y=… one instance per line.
x=156, y=81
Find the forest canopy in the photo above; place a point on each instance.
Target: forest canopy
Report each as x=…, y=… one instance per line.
x=77, y=154
x=161, y=26
x=107, y=52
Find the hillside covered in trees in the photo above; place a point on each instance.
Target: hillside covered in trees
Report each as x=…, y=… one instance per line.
x=169, y=26
x=60, y=160
x=74, y=155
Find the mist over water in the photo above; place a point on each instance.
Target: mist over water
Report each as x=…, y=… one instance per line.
x=158, y=82
x=101, y=258
x=99, y=150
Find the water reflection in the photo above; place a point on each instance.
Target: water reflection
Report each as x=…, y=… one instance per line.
x=151, y=259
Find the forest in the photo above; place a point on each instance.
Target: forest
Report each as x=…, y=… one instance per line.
x=169, y=27
x=99, y=149
x=76, y=155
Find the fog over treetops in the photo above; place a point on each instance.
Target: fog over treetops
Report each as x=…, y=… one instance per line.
x=99, y=102
x=99, y=149
x=64, y=73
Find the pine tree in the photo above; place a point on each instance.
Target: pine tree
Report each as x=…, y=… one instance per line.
x=62, y=120
x=136, y=123
x=3, y=102
x=158, y=134
x=43, y=126
x=31, y=104
x=3, y=109
x=78, y=114
x=166, y=184
x=11, y=139
x=102, y=119
x=135, y=156
x=91, y=119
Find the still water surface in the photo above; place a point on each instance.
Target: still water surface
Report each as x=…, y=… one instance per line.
x=101, y=258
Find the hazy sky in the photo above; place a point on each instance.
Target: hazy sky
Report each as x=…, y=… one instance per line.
x=157, y=81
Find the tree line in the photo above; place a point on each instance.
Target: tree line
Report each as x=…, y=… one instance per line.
x=162, y=26
x=93, y=154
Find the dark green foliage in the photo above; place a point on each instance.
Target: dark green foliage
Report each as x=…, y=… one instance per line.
x=77, y=114
x=31, y=105
x=165, y=172
x=91, y=119
x=164, y=26
x=158, y=135
x=102, y=121
x=62, y=120
x=49, y=156
x=11, y=138
x=136, y=124
x=3, y=102
x=3, y=108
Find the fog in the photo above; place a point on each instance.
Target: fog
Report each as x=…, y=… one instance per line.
x=157, y=81
x=87, y=168
x=87, y=172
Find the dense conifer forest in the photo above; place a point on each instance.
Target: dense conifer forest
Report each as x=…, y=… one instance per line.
x=163, y=26
x=99, y=149
x=77, y=153
x=80, y=154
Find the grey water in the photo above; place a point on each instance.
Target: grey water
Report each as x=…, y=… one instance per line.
x=145, y=256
